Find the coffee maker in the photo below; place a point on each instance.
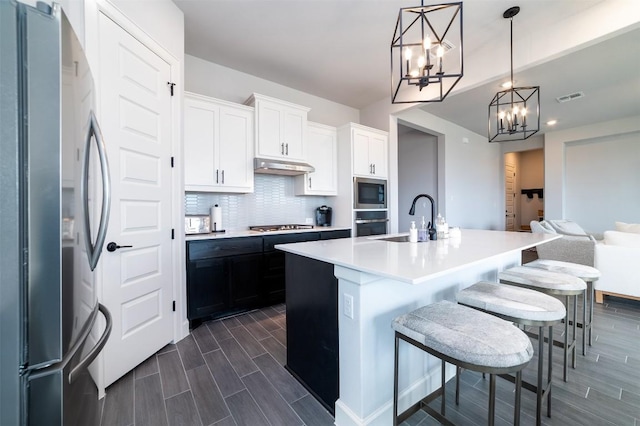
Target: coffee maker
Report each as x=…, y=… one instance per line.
x=323, y=216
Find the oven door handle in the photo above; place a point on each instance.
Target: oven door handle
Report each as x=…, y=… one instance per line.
x=361, y=221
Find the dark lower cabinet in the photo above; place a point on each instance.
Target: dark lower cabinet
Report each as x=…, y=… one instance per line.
x=223, y=276
x=245, y=275
x=207, y=289
x=312, y=327
x=274, y=277
x=230, y=275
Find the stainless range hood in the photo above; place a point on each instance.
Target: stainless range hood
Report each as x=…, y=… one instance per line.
x=281, y=167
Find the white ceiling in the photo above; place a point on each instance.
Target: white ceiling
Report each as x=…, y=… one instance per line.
x=339, y=50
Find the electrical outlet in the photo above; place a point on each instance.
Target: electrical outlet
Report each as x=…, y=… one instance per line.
x=348, y=305
x=308, y=221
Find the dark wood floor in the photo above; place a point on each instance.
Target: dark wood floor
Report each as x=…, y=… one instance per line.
x=230, y=372
x=604, y=389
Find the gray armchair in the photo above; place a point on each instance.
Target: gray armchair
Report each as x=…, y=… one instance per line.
x=570, y=248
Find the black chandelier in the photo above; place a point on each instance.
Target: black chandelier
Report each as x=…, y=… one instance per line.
x=426, y=53
x=514, y=113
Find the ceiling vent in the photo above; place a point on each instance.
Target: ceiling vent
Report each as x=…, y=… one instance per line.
x=570, y=97
x=447, y=45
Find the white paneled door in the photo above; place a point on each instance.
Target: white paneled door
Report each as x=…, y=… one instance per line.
x=135, y=110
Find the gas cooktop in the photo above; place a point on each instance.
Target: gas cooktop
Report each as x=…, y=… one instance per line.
x=266, y=228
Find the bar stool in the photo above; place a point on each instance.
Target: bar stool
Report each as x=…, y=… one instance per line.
x=466, y=338
x=588, y=274
x=555, y=284
x=522, y=306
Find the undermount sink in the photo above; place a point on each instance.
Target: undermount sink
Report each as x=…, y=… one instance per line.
x=396, y=239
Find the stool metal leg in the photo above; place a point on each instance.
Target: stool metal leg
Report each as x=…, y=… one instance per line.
x=540, y=389
x=584, y=324
x=492, y=399
x=395, y=384
x=575, y=330
x=590, y=290
x=550, y=371
x=442, y=405
x=516, y=412
x=566, y=340
x=458, y=372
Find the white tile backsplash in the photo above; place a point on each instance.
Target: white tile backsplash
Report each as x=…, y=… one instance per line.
x=272, y=202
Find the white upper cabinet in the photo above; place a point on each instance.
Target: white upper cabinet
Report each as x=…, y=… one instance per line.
x=218, y=145
x=281, y=128
x=370, y=148
x=322, y=154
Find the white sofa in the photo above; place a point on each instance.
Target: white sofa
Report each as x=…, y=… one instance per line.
x=617, y=258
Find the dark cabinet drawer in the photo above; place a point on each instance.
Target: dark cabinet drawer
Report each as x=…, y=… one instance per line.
x=333, y=235
x=272, y=240
x=208, y=249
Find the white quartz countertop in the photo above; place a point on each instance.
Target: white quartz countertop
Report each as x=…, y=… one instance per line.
x=414, y=263
x=248, y=233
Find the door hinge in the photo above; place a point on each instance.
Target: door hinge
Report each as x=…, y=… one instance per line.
x=174, y=306
x=172, y=162
x=171, y=86
x=173, y=234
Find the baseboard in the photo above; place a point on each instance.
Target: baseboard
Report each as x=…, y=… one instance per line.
x=383, y=416
x=600, y=296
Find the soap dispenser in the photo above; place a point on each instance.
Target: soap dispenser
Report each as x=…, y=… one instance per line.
x=413, y=232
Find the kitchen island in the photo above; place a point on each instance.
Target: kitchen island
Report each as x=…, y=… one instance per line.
x=377, y=280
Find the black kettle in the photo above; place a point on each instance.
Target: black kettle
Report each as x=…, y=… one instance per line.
x=323, y=216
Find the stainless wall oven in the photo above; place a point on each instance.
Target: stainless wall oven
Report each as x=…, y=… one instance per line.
x=370, y=222
x=369, y=193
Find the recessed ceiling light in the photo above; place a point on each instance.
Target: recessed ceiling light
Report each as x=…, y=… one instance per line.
x=506, y=85
x=551, y=122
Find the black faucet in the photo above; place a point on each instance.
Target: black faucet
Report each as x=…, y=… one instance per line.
x=412, y=211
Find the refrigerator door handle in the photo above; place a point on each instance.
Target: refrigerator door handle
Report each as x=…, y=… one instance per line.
x=93, y=353
x=94, y=251
x=75, y=347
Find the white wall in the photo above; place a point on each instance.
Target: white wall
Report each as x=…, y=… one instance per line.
x=208, y=78
x=604, y=162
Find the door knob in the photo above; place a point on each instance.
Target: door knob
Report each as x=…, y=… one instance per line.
x=113, y=246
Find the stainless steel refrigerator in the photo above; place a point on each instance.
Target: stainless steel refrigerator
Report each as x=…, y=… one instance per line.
x=54, y=212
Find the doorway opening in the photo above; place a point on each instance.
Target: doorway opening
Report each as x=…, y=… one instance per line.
x=524, y=188
x=417, y=174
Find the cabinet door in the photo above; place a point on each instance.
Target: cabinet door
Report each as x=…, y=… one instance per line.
x=207, y=288
x=361, y=163
x=269, y=137
x=280, y=129
x=294, y=125
x=245, y=276
x=378, y=155
x=200, y=127
x=322, y=154
x=236, y=150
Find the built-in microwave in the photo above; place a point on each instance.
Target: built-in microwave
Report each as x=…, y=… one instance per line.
x=369, y=193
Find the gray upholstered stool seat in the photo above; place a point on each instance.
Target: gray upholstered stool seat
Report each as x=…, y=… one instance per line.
x=587, y=273
x=553, y=283
x=526, y=307
x=466, y=338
